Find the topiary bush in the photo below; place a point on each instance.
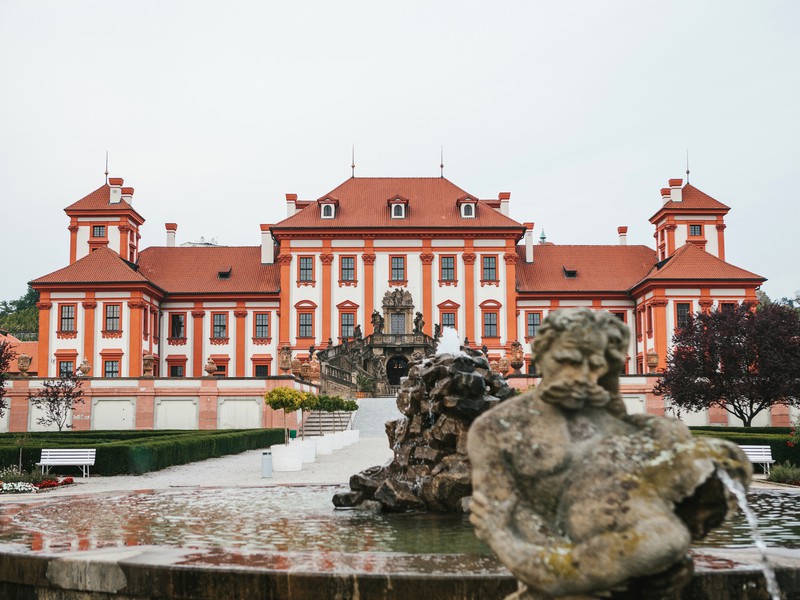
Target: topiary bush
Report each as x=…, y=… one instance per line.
x=785, y=473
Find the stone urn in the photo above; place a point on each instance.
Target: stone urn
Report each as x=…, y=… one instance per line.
x=285, y=358
x=494, y=366
x=210, y=368
x=85, y=368
x=147, y=365
x=315, y=370
x=517, y=357
x=297, y=367
x=23, y=364
x=305, y=371
x=504, y=365
x=652, y=362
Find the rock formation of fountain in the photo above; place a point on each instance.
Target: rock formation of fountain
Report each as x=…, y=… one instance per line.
x=580, y=499
x=430, y=469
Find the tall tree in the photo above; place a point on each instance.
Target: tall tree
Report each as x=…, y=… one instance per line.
x=7, y=355
x=20, y=315
x=57, y=398
x=737, y=358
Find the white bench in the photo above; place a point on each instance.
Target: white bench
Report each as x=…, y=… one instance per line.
x=73, y=457
x=759, y=455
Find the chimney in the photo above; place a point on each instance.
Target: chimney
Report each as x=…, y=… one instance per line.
x=623, y=235
x=505, y=200
x=676, y=193
x=171, y=229
x=267, y=246
x=115, y=190
x=528, y=242
x=291, y=204
x=127, y=194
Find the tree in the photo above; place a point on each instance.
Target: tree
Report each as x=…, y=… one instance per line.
x=286, y=399
x=20, y=315
x=57, y=398
x=7, y=355
x=737, y=358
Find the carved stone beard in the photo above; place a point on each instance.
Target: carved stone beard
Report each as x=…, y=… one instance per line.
x=574, y=395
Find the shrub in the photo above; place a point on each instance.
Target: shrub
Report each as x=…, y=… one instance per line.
x=785, y=472
x=286, y=399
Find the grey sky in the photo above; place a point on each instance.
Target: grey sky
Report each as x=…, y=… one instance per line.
x=582, y=110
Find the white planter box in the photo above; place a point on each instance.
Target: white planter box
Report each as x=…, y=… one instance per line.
x=352, y=435
x=324, y=445
x=337, y=442
x=308, y=450
x=287, y=458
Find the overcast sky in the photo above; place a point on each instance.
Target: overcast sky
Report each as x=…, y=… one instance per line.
x=213, y=111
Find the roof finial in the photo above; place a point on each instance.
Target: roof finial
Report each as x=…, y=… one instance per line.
x=687, y=165
x=353, y=161
x=543, y=237
x=106, y=166
x=441, y=162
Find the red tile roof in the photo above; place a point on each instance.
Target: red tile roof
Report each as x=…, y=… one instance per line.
x=432, y=203
x=691, y=263
x=694, y=199
x=599, y=268
x=195, y=269
x=100, y=199
x=101, y=266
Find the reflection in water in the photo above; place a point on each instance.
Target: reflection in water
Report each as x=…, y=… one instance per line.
x=293, y=519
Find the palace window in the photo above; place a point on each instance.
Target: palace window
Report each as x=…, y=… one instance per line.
x=682, y=312
x=532, y=322
x=398, y=211
x=67, y=320
x=695, y=230
x=65, y=367
x=347, y=266
x=219, y=325
x=98, y=231
x=263, y=370
x=448, y=319
x=489, y=271
x=490, y=324
x=305, y=322
x=348, y=322
x=177, y=371
x=111, y=368
x=727, y=307
x=468, y=211
x=448, y=268
x=262, y=325
x=177, y=325
x=398, y=268
x=112, y=317
x=306, y=269
x=327, y=211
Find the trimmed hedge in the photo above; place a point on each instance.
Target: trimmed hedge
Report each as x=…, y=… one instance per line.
x=136, y=452
x=776, y=441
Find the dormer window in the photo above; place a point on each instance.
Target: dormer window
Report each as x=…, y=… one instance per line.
x=467, y=207
x=397, y=207
x=570, y=273
x=328, y=207
x=224, y=273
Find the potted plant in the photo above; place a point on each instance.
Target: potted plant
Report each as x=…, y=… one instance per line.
x=285, y=457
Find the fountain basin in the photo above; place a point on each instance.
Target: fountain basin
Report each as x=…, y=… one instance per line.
x=276, y=542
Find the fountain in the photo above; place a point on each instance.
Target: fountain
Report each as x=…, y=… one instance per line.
x=635, y=481
x=440, y=398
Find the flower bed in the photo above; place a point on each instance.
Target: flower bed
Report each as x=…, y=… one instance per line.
x=23, y=487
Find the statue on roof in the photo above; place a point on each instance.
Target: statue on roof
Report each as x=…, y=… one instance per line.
x=419, y=323
x=377, y=322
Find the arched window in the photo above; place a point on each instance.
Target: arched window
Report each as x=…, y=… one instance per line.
x=468, y=210
x=397, y=211
x=327, y=211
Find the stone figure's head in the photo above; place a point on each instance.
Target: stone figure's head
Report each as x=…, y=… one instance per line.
x=580, y=354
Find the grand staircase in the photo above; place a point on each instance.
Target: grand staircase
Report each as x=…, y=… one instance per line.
x=320, y=422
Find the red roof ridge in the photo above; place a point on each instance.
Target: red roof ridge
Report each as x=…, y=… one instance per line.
x=102, y=265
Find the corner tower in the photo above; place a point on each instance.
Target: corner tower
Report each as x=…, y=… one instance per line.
x=689, y=216
x=105, y=217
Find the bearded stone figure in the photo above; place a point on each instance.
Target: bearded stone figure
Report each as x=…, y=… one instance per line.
x=580, y=499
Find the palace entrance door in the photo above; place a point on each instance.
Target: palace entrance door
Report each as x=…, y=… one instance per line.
x=396, y=368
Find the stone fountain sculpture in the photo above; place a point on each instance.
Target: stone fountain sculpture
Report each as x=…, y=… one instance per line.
x=580, y=499
x=430, y=470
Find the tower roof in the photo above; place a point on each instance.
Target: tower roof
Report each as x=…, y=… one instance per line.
x=99, y=201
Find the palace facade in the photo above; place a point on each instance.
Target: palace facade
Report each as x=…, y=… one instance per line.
x=408, y=256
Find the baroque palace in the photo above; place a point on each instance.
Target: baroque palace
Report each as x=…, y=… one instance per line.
x=366, y=276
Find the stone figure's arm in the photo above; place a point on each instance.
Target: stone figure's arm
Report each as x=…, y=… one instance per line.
x=604, y=562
